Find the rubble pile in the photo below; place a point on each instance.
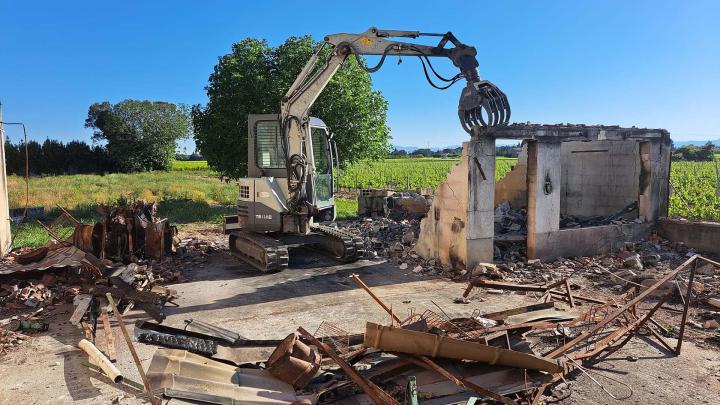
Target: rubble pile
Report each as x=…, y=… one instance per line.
x=512, y=221
x=394, y=241
x=10, y=340
x=190, y=254
x=50, y=289
x=509, y=356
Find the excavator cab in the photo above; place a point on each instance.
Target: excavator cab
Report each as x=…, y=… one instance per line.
x=266, y=226
x=262, y=202
x=321, y=188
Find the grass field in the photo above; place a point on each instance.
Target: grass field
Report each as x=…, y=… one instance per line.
x=192, y=192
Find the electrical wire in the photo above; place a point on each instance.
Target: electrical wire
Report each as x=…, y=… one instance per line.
x=27, y=167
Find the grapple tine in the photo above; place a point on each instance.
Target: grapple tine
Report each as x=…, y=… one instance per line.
x=479, y=96
x=464, y=121
x=499, y=110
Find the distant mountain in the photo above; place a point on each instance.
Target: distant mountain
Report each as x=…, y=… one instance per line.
x=678, y=144
x=411, y=149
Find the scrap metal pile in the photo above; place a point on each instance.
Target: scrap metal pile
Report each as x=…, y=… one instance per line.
x=508, y=356
x=84, y=262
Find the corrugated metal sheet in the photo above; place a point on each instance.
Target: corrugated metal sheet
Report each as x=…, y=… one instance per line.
x=66, y=256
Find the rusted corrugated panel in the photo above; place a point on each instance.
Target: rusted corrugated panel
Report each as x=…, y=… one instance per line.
x=407, y=341
x=66, y=256
x=180, y=374
x=155, y=240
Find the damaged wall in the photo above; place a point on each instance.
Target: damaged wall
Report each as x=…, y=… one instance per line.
x=701, y=236
x=513, y=187
x=599, y=177
x=574, y=170
x=443, y=233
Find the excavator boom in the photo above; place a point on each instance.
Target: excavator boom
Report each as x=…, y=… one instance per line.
x=290, y=176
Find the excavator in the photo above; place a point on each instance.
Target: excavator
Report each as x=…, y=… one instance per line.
x=289, y=190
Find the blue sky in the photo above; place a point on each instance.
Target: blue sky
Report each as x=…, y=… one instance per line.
x=642, y=63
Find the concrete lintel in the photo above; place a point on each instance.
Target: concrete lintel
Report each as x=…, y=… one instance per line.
x=571, y=132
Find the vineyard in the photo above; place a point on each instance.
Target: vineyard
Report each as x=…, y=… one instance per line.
x=407, y=173
x=694, y=191
x=694, y=185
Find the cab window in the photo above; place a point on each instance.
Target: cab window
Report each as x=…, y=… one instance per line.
x=268, y=145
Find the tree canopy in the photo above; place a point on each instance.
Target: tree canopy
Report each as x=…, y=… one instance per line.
x=252, y=79
x=140, y=134
x=695, y=153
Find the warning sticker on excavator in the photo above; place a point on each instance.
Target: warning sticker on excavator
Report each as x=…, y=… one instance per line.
x=366, y=41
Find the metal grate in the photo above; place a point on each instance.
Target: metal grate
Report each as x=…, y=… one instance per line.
x=333, y=335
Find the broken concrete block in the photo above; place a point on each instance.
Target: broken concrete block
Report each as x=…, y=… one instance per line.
x=650, y=260
x=408, y=237
x=633, y=262
x=403, y=266
x=417, y=269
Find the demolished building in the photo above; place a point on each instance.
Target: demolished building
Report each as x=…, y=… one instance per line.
x=563, y=170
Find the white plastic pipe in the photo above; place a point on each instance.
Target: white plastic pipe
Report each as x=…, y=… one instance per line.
x=101, y=361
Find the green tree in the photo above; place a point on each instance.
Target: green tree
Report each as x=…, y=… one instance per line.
x=252, y=79
x=140, y=134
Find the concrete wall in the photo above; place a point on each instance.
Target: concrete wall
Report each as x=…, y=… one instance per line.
x=701, y=236
x=481, y=198
x=599, y=177
x=513, y=187
x=443, y=233
x=591, y=241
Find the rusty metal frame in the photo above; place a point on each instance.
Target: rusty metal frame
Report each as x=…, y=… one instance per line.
x=373, y=391
x=634, y=322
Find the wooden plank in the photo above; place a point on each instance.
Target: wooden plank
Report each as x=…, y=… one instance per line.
x=83, y=303
x=109, y=338
x=499, y=315
x=425, y=362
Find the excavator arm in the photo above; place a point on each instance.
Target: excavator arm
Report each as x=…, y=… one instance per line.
x=482, y=104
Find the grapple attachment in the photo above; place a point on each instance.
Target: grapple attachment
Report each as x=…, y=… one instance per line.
x=483, y=105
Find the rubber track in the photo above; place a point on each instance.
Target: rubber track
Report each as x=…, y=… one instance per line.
x=354, y=246
x=276, y=255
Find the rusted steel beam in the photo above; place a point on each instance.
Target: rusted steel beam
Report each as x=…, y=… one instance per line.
x=502, y=286
x=134, y=354
x=686, y=307
x=531, y=325
x=426, y=363
x=569, y=294
x=584, y=336
x=377, y=299
x=373, y=391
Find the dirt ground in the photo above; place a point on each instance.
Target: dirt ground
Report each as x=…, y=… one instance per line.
x=48, y=368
